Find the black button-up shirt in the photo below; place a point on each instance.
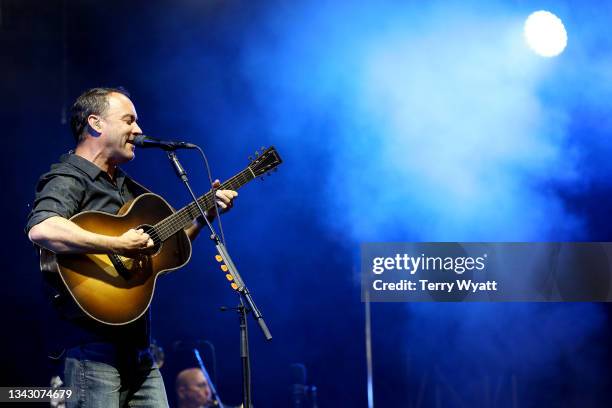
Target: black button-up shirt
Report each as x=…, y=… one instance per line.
x=75, y=185
x=72, y=186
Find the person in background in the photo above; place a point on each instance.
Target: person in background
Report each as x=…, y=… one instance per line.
x=192, y=389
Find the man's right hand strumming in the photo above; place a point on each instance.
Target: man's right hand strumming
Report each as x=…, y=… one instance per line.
x=63, y=236
x=132, y=242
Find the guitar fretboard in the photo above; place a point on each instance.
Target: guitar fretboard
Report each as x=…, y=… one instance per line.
x=185, y=216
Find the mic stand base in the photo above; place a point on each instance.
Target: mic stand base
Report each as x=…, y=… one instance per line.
x=244, y=355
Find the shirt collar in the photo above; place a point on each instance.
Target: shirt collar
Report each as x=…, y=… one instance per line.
x=89, y=168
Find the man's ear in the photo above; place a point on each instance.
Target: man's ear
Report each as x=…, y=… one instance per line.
x=94, y=127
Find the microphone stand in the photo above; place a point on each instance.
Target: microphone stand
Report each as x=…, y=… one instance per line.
x=237, y=284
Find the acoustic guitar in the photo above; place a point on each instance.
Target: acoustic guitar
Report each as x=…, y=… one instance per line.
x=117, y=290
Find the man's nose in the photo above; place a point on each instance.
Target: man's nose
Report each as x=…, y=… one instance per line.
x=137, y=129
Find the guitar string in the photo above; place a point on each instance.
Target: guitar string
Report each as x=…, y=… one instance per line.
x=176, y=220
x=181, y=218
x=163, y=229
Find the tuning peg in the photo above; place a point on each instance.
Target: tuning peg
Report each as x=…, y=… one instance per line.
x=229, y=277
x=224, y=267
x=234, y=286
x=250, y=158
x=218, y=258
x=257, y=153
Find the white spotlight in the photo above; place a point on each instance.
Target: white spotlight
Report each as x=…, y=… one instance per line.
x=545, y=33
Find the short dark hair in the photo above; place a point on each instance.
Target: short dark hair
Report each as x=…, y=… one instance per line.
x=91, y=102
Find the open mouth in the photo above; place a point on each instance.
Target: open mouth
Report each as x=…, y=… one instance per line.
x=130, y=144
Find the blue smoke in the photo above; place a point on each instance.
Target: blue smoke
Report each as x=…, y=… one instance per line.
x=436, y=123
x=399, y=121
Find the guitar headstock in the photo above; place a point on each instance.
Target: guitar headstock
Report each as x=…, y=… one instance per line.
x=265, y=161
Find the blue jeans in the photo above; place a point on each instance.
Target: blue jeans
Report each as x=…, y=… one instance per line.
x=104, y=376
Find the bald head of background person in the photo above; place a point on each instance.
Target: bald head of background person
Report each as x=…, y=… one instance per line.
x=192, y=389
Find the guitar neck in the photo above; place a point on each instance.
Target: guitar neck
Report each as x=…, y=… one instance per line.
x=184, y=217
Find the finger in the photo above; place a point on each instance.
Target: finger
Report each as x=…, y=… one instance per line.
x=221, y=204
x=231, y=194
x=150, y=243
x=222, y=194
x=140, y=230
x=145, y=236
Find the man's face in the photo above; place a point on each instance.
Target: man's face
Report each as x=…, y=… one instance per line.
x=197, y=390
x=117, y=128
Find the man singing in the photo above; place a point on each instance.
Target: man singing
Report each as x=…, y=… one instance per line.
x=106, y=365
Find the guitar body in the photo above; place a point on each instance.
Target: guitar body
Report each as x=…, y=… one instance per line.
x=114, y=289
x=117, y=290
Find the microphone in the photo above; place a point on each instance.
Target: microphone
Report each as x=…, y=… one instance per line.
x=169, y=145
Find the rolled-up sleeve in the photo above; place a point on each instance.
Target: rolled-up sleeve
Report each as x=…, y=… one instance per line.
x=56, y=194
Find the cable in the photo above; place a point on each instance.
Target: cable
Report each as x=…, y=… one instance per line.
x=206, y=165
